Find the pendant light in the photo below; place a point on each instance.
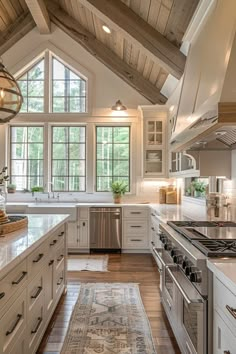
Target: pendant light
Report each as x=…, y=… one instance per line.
x=10, y=95
x=119, y=106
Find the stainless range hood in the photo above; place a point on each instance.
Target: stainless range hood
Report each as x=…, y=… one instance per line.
x=215, y=130
x=206, y=116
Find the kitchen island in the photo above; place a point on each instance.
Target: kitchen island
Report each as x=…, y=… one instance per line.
x=32, y=280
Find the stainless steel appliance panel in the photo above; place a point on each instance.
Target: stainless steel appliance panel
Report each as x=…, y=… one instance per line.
x=105, y=228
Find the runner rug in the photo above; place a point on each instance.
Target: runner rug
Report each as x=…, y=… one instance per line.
x=87, y=262
x=109, y=319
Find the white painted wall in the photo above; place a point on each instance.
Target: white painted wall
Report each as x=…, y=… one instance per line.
x=107, y=87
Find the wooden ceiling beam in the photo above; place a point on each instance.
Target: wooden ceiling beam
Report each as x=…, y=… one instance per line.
x=40, y=15
x=103, y=54
x=22, y=25
x=120, y=17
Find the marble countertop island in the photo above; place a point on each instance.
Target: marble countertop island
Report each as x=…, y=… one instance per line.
x=17, y=245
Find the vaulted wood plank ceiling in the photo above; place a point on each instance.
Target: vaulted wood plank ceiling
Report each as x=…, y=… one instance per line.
x=134, y=49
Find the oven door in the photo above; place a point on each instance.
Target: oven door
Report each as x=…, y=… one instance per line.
x=192, y=313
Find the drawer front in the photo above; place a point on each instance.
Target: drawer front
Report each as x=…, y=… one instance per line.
x=225, y=303
x=135, y=242
x=11, y=283
x=56, y=239
x=12, y=324
x=59, y=279
x=224, y=340
x=135, y=227
x=35, y=327
x=135, y=212
x=37, y=259
x=60, y=256
x=20, y=346
x=35, y=292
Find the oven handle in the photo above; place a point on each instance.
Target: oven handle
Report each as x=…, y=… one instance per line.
x=185, y=296
x=156, y=250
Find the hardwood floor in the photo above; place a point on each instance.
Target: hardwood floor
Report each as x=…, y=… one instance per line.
x=137, y=268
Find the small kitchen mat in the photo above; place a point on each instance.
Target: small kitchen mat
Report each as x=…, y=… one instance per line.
x=109, y=318
x=90, y=263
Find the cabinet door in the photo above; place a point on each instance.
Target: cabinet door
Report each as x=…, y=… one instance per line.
x=49, y=285
x=224, y=340
x=83, y=234
x=154, y=132
x=72, y=235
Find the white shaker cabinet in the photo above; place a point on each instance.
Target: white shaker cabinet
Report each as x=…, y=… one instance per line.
x=224, y=319
x=135, y=228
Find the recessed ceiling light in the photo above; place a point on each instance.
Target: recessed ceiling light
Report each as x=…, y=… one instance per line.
x=171, y=108
x=106, y=29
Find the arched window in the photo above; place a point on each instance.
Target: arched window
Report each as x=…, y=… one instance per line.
x=61, y=90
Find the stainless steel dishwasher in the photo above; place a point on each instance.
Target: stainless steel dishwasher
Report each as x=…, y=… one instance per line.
x=105, y=228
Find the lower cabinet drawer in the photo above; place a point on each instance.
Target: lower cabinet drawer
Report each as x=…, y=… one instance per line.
x=35, y=327
x=10, y=284
x=12, y=324
x=224, y=339
x=20, y=346
x=59, y=280
x=37, y=259
x=135, y=242
x=135, y=212
x=35, y=291
x=135, y=227
x=225, y=303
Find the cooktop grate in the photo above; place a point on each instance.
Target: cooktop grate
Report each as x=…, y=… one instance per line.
x=216, y=248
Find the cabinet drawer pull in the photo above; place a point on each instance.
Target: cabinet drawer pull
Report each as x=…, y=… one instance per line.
x=226, y=352
x=15, y=282
x=37, y=326
x=60, y=281
x=231, y=310
x=152, y=228
x=135, y=212
x=152, y=214
x=40, y=256
x=60, y=258
x=136, y=240
x=51, y=262
x=2, y=295
x=53, y=242
x=40, y=288
x=14, y=326
x=61, y=234
x=136, y=226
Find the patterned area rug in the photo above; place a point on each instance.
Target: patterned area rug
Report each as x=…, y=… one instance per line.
x=87, y=262
x=109, y=319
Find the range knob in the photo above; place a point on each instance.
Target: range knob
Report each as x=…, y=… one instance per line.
x=162, y=237
x=173, y=252
x=185, y=263
x=167, y=246
x=188, y=270
x=196, y=277
x=178, y=258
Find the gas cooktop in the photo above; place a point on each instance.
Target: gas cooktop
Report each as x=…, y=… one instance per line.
x=213, y=238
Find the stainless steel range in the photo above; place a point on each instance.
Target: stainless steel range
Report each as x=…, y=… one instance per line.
x=186, y=283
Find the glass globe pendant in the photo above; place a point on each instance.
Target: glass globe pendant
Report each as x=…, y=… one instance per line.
x=10, y=96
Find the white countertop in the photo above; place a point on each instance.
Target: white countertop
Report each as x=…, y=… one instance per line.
x=15, y=246
x=225, y=271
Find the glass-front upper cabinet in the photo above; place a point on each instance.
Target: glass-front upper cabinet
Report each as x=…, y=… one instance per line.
x=154, y=141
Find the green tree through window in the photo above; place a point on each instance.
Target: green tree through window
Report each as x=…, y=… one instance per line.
x=112, y=156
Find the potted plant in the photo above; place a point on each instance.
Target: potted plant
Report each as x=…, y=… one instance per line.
x=199, y=188
x=11, y=188
x=118, y=189
x=36, y=189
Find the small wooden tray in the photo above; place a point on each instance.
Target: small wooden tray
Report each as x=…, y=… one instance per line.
x=14, y=223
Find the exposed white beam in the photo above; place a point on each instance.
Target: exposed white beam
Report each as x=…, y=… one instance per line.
x=40, y=15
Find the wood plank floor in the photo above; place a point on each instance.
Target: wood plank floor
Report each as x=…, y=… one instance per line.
x=137, y=268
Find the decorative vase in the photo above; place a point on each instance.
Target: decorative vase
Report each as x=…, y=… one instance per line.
x=117, y=198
